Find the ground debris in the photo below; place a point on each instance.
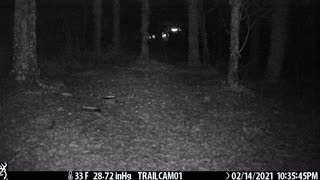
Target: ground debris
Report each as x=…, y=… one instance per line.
x=162, y=121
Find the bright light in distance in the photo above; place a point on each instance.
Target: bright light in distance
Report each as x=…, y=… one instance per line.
x=175, y=29
x=164, y=35
x=152, y=36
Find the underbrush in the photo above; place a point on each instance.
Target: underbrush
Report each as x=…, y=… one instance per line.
x=152, y=117
x=67, y=62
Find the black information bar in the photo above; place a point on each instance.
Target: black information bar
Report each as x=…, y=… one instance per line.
x=162, y=175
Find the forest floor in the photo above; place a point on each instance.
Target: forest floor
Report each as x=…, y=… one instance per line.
x=161, y=118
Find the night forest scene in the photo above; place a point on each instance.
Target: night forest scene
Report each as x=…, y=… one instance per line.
x=160, y=85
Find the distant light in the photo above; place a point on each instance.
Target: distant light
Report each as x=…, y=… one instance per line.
x=164, y=35
x=175, y=29
x=152, y=36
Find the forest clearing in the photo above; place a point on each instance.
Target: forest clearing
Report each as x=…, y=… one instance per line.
x=162, y=119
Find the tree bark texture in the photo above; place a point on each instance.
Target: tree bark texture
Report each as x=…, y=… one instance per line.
x=193, y=13
x=116, y=26
x=25, y=66
x=97, y=12
x=233, y=77
x=278, y=40
x=145, y=11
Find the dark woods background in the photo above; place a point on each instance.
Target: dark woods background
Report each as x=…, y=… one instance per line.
x=67, y=26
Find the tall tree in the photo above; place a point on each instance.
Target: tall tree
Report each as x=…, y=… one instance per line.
x=315, y=36
x=253, y=64
x=193, y=15
x=203, y=33
x=278, y=39
x=233, y=77
x=25, y=65
x=116, y=26
x=84, y=23
x=97, y=11
x=145, y=11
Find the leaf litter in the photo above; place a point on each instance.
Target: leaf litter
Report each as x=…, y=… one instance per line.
x=159, y=118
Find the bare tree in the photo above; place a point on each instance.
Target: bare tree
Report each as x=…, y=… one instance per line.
x=314, y=39
x=193, y=14
x=203, y=33
x=25, y=65
x=84, y=23
x=233, y=78
x=253, y=64
x=97, y=11
x=145, y=11
x=278, y=39
x=253, y=14
x=116, y=26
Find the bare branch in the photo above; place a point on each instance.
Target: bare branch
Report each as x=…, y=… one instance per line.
x=248, y=31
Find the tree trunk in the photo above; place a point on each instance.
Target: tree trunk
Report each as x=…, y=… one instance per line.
x=233, y=78
x=193, y=13
x=314, y=42
x=145, y=11
x=203, y=34
x=278, y=39
x=97, y=11
x=116, y=26
x=25, y=66
x=253, y=67
x=84, y=24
